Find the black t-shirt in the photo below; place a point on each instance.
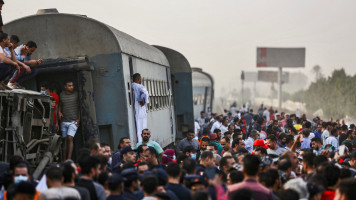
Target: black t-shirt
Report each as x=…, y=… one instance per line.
x=84, y=193
x=342, y=137
x=179, y=190
x=200, y=169
x=116, y=197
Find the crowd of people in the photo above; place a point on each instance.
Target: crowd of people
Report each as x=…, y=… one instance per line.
x=236, y=155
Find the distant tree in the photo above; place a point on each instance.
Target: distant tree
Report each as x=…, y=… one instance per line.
x=317, y=71
x=335, y=95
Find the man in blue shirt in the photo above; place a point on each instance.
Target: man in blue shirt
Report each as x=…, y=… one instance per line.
x=318, y=131
x=189, y=140
x=174, y=173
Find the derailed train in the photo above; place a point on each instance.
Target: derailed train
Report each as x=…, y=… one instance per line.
x=101, y=60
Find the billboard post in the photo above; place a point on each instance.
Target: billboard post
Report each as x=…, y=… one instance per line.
x=279, y=88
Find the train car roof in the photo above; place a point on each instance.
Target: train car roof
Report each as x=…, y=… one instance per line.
x=177, y=61
x=60, y=35
x=201, y=78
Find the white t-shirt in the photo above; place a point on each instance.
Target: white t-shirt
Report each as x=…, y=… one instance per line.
x=223, y=130
x=196, y=128
x=7, y=55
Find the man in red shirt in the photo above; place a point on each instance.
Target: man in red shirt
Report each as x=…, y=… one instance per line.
x=55, y=102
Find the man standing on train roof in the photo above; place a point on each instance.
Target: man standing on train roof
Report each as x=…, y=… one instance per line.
x=69, y=114
x=141, y=97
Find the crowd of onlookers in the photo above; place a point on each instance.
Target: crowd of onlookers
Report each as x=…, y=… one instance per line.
x=236, y=155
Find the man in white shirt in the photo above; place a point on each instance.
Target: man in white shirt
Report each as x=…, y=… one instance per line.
x=332, y=139
x=201, y=119
x=196, y=129
x=7, y=61
x=266, y=114
x=224, y=127
x=216, y=124
x=326, y=133
x=56, y=189
x=141, y=97
x=249, y=142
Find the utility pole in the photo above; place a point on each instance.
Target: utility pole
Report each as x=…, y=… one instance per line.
x=279, y=88
x=242, y=85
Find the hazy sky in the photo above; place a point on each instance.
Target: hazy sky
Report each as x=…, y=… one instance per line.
x=221, y=36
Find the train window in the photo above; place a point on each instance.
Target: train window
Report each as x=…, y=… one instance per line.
x=163, y=95
x=150, y=94
x=153, y=88
x=161, y=88
x=161, y=105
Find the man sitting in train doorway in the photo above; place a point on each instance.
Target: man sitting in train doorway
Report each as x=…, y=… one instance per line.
x=141, y=99
x=69, y=114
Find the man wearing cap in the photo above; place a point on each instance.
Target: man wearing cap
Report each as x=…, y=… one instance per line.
x=131, y=183
x=115, y=184
x=249, y=142
x=214, y=140
x=194, y=182
x=188, y=141
x=116, y=157
x=128, y=155
x=259, y=143
x=146, y=135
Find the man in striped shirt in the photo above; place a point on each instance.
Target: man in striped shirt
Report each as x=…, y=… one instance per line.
x=69, y=114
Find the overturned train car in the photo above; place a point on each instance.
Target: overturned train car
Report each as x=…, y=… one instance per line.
x=25, y=123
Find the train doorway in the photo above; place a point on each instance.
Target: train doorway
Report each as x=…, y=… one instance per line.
x=55, y=73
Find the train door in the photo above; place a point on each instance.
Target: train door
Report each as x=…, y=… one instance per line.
x=205, y=105
x=171, y=104
x=132, y=97
x=56, y=73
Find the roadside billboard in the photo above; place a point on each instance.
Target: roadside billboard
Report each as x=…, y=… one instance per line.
x=280, y=57
x=272, y=76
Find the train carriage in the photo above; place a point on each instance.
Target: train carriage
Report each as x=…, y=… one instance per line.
x=203, y=91
x=101, y=61
x=181, y=75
